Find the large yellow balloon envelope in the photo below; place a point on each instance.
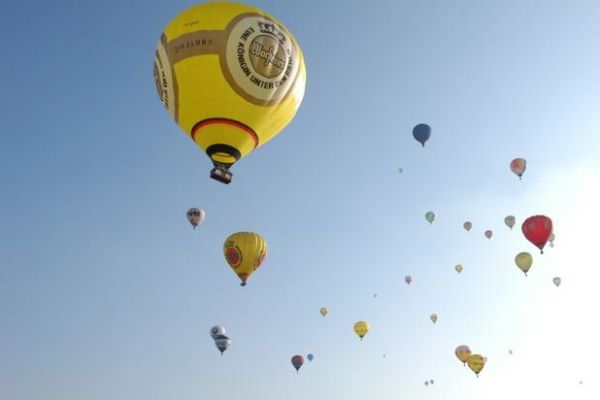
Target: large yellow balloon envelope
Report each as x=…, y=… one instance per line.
x=244, y=252
x=463, y=353
x=524, y=261
x=476, y=362
x=231, y=76
x=361, y=328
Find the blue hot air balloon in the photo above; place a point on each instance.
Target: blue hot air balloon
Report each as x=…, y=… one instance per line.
x=310, y=357
x=422, y=132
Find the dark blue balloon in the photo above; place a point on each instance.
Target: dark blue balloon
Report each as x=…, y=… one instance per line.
x=422, y=133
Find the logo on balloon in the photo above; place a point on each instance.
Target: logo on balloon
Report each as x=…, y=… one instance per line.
x=233, y=255
x=260, y=61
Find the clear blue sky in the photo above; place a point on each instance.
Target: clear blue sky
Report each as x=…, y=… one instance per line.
x=107, y=293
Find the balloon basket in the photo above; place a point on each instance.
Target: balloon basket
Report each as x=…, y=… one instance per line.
x=221, y=174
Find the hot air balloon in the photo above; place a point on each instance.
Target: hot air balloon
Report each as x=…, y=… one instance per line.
x=476, y=362
x=408, y=279
x=244, y=252
x=556, y=281
x=297, y=361
x=430, y=216
x=467, y=225
x=426, y=383
x=422, y=133
x=517, y=166
x=217, y=330
x=551, y=239
x=524, y=261
x=323, y=311
x=458, y=268
x=310, y=357
x=488, y=234
x=433, y=317
x=231, y=76
x=510, y=221
x=222, y=342
x=537, y=230
x=361, y=328
x=510, y=351
x=463, y=353
x=431, y=381
x=195, y=216
x=401, y=170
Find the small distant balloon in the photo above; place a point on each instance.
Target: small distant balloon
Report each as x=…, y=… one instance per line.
x=431, y=381
x=433, y=317
x=463, y=353
x=517, y=166
x=537, y=229
x=524, y=261
x=375, y=295
x=401, y=170
x=488, y=234
x=310, y=357
x=323, y=311
x=510, y=351
x=361, y=328
x=426, y=383
x=297, y=361
x=557, y=281
x=422, y=133
x=551, y=240
x=430, y=216
x=458, y=268
x=222, y=342
x=476, y=363
x=467, y=225
x=408, y=279
x=510, y=221
x=195, y=216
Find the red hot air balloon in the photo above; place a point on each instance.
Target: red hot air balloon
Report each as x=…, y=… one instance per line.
x=297, y=361
x=537, y=230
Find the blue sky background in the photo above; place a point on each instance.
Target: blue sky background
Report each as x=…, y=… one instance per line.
x=107, y=293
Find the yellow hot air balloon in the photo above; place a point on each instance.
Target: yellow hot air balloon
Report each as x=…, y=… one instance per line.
x=244, y=252
x=476, y=362
x=463, y=353
x=458, y=268
x=524, y=261
x=231, y=76
x=361, y=328
x=323, y=311
x=433, y=317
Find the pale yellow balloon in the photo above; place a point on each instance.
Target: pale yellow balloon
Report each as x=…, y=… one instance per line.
x=476, y=362
x=458, y=268
x=361, y=328
x=433, y=317
x=524, y=261
x=323, y=311
x=463, y=353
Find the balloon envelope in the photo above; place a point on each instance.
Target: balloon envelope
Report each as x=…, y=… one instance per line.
x=488, y=234
x=217, y=330
x=524, y=261
x=510, y=221
x=458, y=268
x=222, y=342
x=517, y=166
x=408, y=279
x=430, y=216
x=310, y=357
x=231, y=76
x=463, y=353
x=297, y=361
x=476, y=362
x=244, y=252
x=556, y=281
x=422, y=133
x=195, y=216
x=323, y=311
x=537, y=229
x=467, y=225
x=433, y=317
x=361, y=328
